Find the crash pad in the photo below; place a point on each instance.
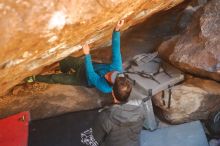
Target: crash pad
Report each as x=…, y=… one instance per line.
x=72, y=129
x=150, y=75
x=149, y=72
x=188, y=134
x=64, y=130
x=14, y=130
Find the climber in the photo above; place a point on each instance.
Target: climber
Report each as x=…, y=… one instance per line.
x=121, y=123
x=86, y=73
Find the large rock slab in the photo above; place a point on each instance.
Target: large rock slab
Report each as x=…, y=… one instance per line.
x=38, y=33
x=195, y=99
x=197, y=50
x=47, y=100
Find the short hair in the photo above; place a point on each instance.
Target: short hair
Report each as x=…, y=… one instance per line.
x=122, y=89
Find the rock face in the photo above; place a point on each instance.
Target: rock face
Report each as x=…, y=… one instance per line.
x=37, y=33
x=197, y=50
x=46, y=100
x=194, y=99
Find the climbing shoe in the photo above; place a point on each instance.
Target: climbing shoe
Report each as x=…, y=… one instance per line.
x=30, y=79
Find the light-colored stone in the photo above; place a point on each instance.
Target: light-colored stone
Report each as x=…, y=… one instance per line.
x=195, y=99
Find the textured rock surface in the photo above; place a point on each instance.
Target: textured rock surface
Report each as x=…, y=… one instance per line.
x=37, y=33
x=43, y=100
x=197, y=51
x=46, y=100
x=194, y=99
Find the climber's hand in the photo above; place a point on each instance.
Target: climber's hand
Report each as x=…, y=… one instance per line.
x=119, y=25
x=86, y=49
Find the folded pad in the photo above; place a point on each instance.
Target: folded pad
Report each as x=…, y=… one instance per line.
x=149, y=72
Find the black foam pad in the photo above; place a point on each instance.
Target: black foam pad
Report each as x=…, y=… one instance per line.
x=64, y=130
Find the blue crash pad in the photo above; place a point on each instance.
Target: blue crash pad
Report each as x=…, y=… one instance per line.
x=189, y=134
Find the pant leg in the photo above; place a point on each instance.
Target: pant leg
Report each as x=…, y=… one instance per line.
x=66, y=79
x=81, y=75
x=71, y=62
x=78, y=65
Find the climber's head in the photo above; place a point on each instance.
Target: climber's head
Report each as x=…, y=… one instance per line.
x=121, y=89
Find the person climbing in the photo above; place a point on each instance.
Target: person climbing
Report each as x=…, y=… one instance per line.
x=86, y=73
x=121, y=123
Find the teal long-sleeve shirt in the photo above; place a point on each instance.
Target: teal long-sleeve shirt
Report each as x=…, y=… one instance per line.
x=95, y=72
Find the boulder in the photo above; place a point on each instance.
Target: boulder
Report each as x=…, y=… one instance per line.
x=197, y=50
x=46, y=100
x=38, y=33
x=192, y=100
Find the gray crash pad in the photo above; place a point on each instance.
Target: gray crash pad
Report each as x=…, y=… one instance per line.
x=150, y=75
x=189, y=134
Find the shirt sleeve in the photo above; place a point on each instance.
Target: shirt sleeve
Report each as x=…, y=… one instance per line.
x=116, y=51
x=94, y=78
